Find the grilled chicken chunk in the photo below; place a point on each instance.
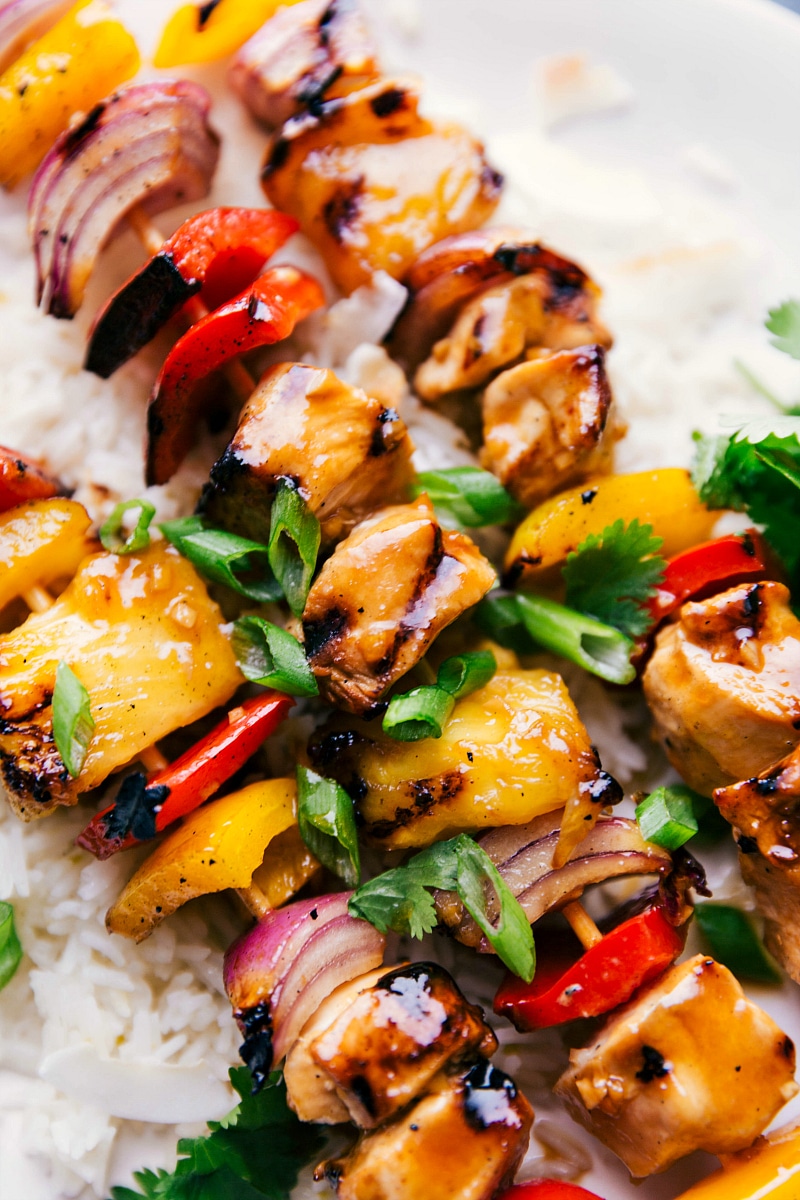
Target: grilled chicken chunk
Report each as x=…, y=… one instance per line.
x=373, y=183
x=546, y=423
x=494, y=330
x=147, y=643
x=346, y=452
x=306, y=52
x=724, y=685
x=689, y=1064
x=778, y=898
x=379, y=1045
x=511, y=750
x=383, y=596
x=463, y=1140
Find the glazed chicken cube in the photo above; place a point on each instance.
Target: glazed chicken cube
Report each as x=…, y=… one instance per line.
x=386, y=1043
x=346, y=452
x=383, y=596
x=463, y=1140
x=147, y=643
x=690, y=1064
x=373, y=183
x=723, y=685
x=320, y=48
x=510, y=751
x=777, y=893
x=546, y=423
x=41, y=541
x=544, y=308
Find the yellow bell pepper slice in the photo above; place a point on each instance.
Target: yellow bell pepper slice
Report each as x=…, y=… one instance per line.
x=75, y=64
x=768, y=1170
x=201, y=33
x=287, y=865
x=217, y=847
x=664, y=499
x=40, y=541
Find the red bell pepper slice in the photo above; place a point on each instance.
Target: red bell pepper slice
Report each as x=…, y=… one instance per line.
x=713, y=567
x=604, y=976
x=21, y=480
x=216, y=253
x=547, y=1189
x=265, y=313
x=144, y=807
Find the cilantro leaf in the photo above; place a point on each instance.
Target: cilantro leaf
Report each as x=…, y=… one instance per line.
x=257, y=1151
x=612, y=575
x=399, y=899
x=756, y=470
x=784, y=322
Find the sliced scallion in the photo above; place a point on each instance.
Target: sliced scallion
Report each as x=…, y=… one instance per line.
x=226, y=558
x=10, y=947
x=511, y=937
x=596, y=647
x=734, y=942
x=418, y=714
x=73, y=723
x=669, y=816
x=294, y=538
x=498, y=616
x=465, y=673
x=472, y=496
x=269, y=655
x=327, y=824
x=112, y=532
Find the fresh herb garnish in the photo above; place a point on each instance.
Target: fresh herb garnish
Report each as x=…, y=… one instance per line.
x=112, y=534
x=294, y=538
x=670, y=816
x=269, y=655
x=73, y=723
x=612, y=575
x=423, y=712
x=735, y=943
x=224, y=558
x=257, y=1151
x=328, y=825
x=399, y=899
x=10, y=947
x=599, y=648
x=472, y=496
x=784, y=322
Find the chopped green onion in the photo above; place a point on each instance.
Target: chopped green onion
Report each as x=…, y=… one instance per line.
x=73, y=724
x=112, y=534
x=294, y=537
x=10, y=948
x=224, y=557
x=466, y=673
x=421, y=713
x=511, y=937
x=498, y=616
x=472, y=496
x=269, y=655
x=669, y=816
x=328, y=825
x=598, y=648
x=735, y=943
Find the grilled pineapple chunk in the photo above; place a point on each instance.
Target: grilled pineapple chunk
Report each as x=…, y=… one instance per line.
x=39, y=542
x=373, y=183
x=510, y=751
x=145, y=640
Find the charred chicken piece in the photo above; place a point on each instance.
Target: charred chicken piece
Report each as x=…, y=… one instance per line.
x=511, y=750
x=378, y=1044
x=141, y=634
x=346, y=452
x=373, y=183
x=547, y=307
x=305, y=53
x=724, y=685
x=690, y=1064
x=546, y=423
x=382, y=598
x=464, y=1138
x=777, y=892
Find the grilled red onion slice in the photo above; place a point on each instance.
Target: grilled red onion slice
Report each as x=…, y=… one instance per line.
x=524, y=856
x=290, y=962
x=148, y=144
x=22, y=21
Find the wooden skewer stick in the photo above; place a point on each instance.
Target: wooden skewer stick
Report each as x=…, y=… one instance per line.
x=255, y=901
x=582, y=924
x=152, y=759
x=38, y=599
x=148, y=234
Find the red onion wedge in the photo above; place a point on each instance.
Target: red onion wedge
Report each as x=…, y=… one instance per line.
x=278, y=973
x=148, y=144
x=22, y=21
x=523, y=855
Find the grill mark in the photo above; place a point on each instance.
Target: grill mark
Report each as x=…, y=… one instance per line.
x=318, y=634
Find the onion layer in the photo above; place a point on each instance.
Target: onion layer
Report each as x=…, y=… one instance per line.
x=523, y=855
x=291, y=961
x=22, y=21
x=149, y=144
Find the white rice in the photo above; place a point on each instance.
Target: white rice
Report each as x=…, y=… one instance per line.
x=684, y=286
